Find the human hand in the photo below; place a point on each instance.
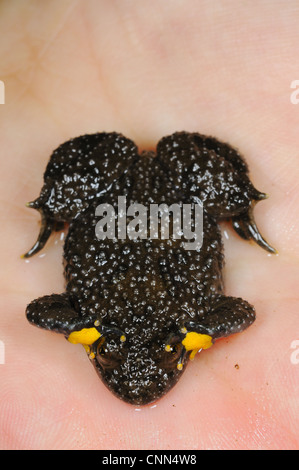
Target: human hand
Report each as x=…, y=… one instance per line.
x=147, y=70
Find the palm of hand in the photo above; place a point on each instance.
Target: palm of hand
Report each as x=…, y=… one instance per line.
x=147, y=73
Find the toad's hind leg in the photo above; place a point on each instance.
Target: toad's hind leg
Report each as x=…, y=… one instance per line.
x=244, y=223
x=214, y=172
x=79, y=171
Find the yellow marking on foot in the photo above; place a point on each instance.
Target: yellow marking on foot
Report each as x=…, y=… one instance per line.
x=86, y=336
x=90, y=353
x=179, y=366
x=123, y=338
x=195, y=341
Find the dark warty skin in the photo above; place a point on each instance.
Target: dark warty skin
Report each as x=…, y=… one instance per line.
x=143, y=307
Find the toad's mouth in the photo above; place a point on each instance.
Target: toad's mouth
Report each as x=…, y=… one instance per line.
x=136, y=390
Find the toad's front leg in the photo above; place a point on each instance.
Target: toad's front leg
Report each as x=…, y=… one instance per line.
x=79, y=171
x=60, y=313
x=227, y=316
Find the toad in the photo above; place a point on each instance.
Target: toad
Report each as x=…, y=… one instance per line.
x=143, y=306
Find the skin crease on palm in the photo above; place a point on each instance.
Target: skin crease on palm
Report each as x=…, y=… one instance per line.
x=147, y=69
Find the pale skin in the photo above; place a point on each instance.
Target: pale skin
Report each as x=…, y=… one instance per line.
x=148, y=69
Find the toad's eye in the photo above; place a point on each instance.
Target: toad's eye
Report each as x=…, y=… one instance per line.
x=106, y=358
x=172, y=354
x=175, y=351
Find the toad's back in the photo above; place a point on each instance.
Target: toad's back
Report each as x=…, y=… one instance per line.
x=133, y=277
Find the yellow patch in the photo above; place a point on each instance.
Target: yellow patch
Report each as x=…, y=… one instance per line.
x=86, y=336
x=195, y=341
